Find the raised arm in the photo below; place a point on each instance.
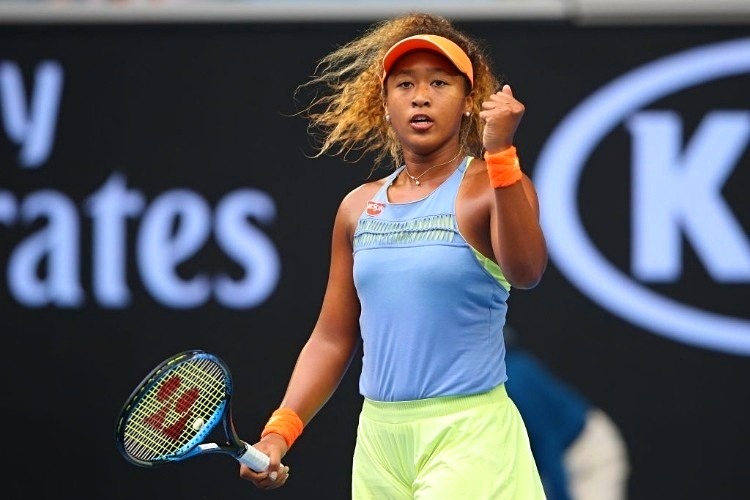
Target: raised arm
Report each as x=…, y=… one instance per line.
x=517, y=240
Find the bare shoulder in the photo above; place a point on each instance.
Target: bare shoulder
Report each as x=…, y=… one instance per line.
x=473, y=207
x=476, y=184
x=355, y=202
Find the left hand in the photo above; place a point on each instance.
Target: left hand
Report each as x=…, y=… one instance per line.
x=502, y=114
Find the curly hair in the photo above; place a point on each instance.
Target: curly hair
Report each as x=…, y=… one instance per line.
x=346, y=112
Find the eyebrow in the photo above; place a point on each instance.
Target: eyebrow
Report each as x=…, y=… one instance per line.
x=432, y=69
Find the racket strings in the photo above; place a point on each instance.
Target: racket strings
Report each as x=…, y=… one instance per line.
x=177, y=410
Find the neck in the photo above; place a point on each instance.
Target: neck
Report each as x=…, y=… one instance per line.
x=416, y=179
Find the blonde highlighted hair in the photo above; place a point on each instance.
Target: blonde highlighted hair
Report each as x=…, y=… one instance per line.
x=346, y=113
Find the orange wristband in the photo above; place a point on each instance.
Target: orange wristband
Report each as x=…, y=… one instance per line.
x=503, y=168
x=286, y=423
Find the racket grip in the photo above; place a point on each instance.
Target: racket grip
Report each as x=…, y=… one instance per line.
x=254, y=458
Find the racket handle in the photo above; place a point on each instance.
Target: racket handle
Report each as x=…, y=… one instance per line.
x=254, y=458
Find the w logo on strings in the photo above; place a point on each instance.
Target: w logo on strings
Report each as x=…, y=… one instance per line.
x=172, y=415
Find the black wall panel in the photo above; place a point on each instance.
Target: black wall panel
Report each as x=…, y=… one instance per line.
x=142, y=123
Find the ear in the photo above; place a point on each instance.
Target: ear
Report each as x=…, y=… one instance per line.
x=469, y=104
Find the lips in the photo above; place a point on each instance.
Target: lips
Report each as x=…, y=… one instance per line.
x=420, y=122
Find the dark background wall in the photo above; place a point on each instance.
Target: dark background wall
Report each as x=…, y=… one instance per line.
x=205, y=108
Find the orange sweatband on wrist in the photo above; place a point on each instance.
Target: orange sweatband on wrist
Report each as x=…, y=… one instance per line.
x=503, y=168
x=286, y=423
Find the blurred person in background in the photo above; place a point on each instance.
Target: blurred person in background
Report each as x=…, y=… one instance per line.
x=579, y=450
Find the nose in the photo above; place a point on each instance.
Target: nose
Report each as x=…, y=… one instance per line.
x=421, y=96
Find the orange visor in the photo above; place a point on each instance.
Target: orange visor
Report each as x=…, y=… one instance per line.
x=434, y=43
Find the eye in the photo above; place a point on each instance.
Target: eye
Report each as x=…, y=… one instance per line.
x=439, y=83
x=405, y=84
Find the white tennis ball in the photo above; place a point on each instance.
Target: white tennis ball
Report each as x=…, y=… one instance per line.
x=198, y=423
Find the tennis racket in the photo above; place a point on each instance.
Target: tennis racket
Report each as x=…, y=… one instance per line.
x=169, y=416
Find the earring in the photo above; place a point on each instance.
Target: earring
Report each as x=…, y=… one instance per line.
x=467, y=114
x=388, y=118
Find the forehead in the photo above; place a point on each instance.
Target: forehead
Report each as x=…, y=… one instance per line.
x=424, y=58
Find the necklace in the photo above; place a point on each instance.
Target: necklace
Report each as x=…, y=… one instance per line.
x=416, y=178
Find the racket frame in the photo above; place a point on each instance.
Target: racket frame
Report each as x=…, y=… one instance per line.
x=234, y=446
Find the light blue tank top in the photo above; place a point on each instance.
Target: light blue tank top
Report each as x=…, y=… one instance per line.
x=433, y=308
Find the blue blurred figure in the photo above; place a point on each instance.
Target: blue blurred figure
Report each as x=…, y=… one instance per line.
x=579, y=451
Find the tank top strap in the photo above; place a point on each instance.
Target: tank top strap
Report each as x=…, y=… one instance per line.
x=444, y=195
x=382, y=194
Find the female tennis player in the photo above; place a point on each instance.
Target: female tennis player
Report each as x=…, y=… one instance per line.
x=423, y=261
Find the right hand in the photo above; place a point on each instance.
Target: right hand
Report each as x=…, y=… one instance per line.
x=276, y=474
